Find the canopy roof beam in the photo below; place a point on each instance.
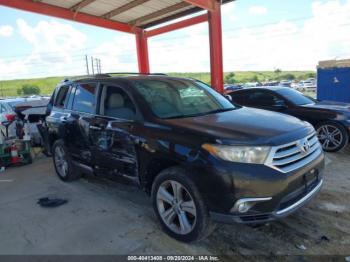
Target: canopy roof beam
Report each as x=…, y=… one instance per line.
x=178, y=25
x=204, y=4
x=81, y=5
x=124, y=8
x=159, y=13
x=64, y=13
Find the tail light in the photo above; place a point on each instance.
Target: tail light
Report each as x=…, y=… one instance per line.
x=10, y=117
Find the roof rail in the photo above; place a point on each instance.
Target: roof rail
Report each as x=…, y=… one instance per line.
x=134, y=73
x=101, y=75
x=106, y=75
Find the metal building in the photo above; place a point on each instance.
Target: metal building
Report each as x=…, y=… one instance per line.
x=333, y=80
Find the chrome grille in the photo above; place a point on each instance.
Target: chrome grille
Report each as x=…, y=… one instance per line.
x=297, y=154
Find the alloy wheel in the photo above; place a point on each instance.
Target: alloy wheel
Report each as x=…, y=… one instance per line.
x=330, y=137
x=176, y=207
x=61, y=161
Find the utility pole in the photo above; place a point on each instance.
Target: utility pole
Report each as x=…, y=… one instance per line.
x=99, y=63
x=87, y=65
x=2, y=93
x=92, y=65
x=98, y=68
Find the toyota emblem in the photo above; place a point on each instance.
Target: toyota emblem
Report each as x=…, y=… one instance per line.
x=304, y=147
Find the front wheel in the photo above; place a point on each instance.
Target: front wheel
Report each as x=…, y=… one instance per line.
x=179, y=206
x=332, y=136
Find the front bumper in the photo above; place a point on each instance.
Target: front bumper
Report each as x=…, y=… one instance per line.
x=299, y=202
x=285, y=193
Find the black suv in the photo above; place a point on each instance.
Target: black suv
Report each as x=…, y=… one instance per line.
x=198, y=156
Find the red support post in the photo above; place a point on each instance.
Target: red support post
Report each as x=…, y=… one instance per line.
x=142, y=52
x=215, y=40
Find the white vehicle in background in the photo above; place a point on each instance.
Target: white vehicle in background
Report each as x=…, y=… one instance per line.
x=249, y=85
x=294, y=85
x=285, y=83
x=307, y=85
x=18, y=109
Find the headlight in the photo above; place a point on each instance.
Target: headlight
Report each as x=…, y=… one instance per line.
x=241, y=154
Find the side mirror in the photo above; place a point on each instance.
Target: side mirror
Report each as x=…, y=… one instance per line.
x=228, y=97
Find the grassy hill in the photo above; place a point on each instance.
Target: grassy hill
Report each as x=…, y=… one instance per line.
x=46, y=85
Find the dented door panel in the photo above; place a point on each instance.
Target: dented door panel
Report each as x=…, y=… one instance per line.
x=113, y=146
x=77, y=136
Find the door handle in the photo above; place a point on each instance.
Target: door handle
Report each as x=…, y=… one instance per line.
x=95, y=128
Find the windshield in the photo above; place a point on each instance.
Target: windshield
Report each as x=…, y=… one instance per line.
x=174, y=98
x=295, y=97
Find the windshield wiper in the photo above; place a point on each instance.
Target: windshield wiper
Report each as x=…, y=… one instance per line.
x=201, y=114
x=219, y=111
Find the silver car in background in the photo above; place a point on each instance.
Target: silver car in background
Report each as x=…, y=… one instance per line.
x=21, y=108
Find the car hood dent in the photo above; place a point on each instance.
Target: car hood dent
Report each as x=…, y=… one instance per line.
x=246, y=126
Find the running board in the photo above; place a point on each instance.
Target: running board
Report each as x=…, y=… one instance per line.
x=83, y=167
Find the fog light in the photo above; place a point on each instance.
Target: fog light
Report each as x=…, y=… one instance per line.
x=243, y=205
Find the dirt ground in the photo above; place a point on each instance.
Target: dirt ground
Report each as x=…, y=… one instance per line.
x=106, y=217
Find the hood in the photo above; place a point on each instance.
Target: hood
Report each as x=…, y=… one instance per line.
x=246, y=126
x=337, y=106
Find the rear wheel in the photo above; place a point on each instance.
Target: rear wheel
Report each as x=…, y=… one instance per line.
x=332, y=136
x=63, y=163
x=179, y=206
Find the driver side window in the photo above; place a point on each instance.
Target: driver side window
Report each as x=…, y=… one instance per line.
x=116, y=103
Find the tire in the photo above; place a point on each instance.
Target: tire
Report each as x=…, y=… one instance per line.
x=198, y=225
x=329, y=142
x=64, y=167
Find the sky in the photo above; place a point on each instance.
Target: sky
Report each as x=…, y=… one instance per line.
x=257, y=35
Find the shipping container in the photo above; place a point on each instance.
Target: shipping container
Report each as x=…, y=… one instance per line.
x=333, y=81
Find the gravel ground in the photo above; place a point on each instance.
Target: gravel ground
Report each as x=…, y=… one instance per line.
x=107, y=217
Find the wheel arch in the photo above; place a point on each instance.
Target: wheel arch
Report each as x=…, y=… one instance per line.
x=152, y=169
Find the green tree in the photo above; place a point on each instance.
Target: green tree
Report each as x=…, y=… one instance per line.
x=287, y=76
x=29, y=90
x=311, y=75
x=278, y=71
x=254, y=78
x=230, y=78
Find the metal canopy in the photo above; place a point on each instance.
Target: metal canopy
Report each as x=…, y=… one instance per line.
x=136, y=17
x=140, y=13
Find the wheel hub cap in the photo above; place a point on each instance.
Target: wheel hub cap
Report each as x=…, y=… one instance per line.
x=60, y=161
x=176, y=207
x=330, y=137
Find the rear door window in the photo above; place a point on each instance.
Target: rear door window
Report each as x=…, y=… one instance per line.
x=85, y=98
